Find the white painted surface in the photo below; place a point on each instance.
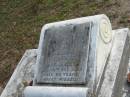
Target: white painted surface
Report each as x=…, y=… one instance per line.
x=46, y=91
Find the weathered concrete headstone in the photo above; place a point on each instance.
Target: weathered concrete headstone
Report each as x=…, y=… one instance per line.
x=69, y=50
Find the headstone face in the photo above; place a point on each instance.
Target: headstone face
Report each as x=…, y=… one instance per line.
x=69, y=51
x=65, y=54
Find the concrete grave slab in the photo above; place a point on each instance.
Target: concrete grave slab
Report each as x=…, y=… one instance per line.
x=22, y=74
x=112, y=84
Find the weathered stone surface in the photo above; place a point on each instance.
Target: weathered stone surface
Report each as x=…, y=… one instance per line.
x=38, y=91
x=126, y=87
x=65, y=54
x=112, y=84
x=69, y=51
x=23, y=73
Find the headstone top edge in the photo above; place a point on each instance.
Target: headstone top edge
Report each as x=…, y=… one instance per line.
x=94, y=19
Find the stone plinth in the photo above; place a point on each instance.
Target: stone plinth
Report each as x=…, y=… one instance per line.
x=114, y=75
x=46, y=91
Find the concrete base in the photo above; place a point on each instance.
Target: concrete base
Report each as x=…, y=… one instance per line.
x=113, y=81
x=37, y=91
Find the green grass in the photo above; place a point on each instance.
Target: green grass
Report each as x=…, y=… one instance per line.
x=21, y=22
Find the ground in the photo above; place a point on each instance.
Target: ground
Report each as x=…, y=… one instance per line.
x=22, y=20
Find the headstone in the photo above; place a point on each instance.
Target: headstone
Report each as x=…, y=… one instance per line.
x=70, y=51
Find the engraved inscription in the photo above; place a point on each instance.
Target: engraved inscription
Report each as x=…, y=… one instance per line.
x=65, y=53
